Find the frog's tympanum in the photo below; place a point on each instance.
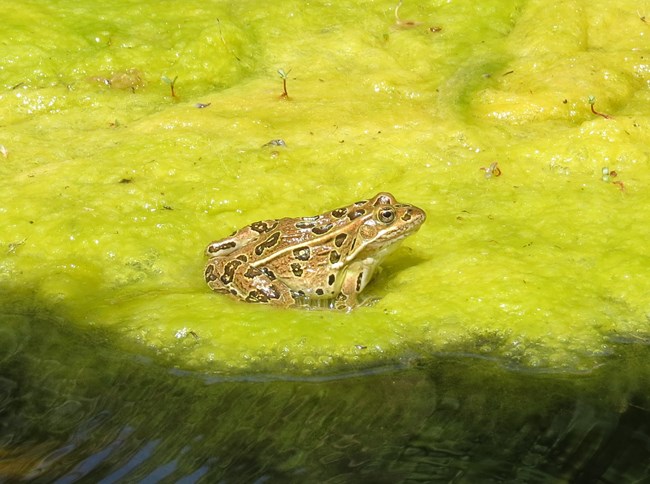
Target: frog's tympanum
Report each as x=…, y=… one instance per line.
x=327, y=258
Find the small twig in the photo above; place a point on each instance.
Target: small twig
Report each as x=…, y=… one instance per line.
x=284, y=76
x=172, y=84
x=592, y=101
x=220, y=33
x=404, y=23
x=223, y=40
x=12, y=247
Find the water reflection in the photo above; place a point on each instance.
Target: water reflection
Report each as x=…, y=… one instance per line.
x=75, y=409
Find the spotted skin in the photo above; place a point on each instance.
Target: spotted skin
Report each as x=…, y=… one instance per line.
x=339, y=239
x=268, y=244
x=302, y=253
x=225, y=247
x=296, y=268
x=298, y=261
x=323, y=229
x=356, y=213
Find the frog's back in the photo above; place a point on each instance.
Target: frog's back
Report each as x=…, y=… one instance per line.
x=241, y=238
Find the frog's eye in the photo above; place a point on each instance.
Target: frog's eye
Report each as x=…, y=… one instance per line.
x=386, y=215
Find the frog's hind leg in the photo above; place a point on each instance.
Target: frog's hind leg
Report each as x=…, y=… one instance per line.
x=243, y=281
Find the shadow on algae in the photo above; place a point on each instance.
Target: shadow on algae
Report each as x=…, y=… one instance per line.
x=76, y=408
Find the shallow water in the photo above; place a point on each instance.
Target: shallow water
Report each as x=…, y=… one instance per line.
x=76, y=409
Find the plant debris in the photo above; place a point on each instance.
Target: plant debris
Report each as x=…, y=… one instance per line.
x=275, y=142
x=592, y=101
x=492, y=170
x=284, y=76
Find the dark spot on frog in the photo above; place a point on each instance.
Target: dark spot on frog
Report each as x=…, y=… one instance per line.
x=304, y=225
x=229, y=271
x=334, y=257
x=359, y=279
x=269, y=243
x=322, y=230
x=407, y=216
x=251, y=273
x=268, y=272
x=213, y=249
x=242, y=257
x=319, y=291
x=210, y=275
x=339, y=239
x=339, y=212
x=331, y=279
x=356, y=213
x=296, y=269
x=302, y=253
x=260, y=227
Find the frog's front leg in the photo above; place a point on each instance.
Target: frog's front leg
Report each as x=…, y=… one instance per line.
x=354, y=280
x=241, y=280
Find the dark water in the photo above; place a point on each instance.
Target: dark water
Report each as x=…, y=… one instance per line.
x=75, y=409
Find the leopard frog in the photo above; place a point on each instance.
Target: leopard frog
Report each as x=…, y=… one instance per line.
x=305, y=261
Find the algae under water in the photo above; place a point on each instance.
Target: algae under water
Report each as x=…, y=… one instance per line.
x=73, y=408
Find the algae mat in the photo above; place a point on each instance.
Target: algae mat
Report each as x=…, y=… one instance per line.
x=521, y=127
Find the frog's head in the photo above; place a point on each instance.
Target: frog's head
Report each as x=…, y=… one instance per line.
x=386, y=223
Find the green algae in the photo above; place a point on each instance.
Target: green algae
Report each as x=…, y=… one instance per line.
x=111, y=192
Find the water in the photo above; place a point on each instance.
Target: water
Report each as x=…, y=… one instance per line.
x=75, y=408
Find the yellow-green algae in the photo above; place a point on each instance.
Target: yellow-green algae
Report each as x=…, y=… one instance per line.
x=110, y=191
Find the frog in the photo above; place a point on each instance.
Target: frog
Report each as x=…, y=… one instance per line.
x=323, y=260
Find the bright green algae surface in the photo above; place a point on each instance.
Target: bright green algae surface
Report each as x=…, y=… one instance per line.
x=111, y=192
